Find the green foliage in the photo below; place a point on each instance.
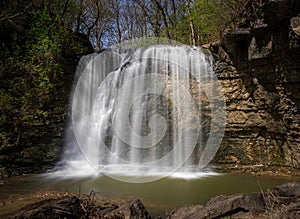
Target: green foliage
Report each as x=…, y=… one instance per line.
x=40, y=63
x=43, y=48
x=38, y=52
x=34, y=64
x=203, y=20
x=30, y=74
x=205, y=13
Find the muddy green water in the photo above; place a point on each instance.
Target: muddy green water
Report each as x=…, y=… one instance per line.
x=157, y=196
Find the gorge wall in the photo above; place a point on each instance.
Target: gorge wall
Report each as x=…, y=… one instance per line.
x=257, y=63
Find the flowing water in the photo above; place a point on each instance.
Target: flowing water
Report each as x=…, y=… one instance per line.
x=151, y=111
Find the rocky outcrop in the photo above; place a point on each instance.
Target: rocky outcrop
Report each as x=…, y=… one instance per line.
x=258, y=66
x=281, y=202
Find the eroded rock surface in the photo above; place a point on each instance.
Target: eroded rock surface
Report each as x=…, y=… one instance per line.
x=257, y=64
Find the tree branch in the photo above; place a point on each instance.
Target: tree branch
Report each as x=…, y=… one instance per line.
x=16, y=15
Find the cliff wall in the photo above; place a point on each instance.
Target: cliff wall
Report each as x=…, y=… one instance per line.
x=258, y=65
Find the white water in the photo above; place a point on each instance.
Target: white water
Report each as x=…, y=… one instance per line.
x=151, y=111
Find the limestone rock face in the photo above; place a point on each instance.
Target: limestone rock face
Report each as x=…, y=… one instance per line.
x=258, y=65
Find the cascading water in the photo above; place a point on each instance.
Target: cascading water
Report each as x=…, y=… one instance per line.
x=148, y=111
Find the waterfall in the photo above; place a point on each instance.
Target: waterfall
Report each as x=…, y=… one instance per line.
x=147, y=111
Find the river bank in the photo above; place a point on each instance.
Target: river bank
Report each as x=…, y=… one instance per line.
x=280, y=202
x=159, y=196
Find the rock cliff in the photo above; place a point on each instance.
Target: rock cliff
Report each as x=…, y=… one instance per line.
x=257, y=63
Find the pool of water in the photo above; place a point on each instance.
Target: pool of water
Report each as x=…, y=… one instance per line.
x=163, y=194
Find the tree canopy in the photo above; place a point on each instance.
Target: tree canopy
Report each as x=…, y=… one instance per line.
x=107, y=22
